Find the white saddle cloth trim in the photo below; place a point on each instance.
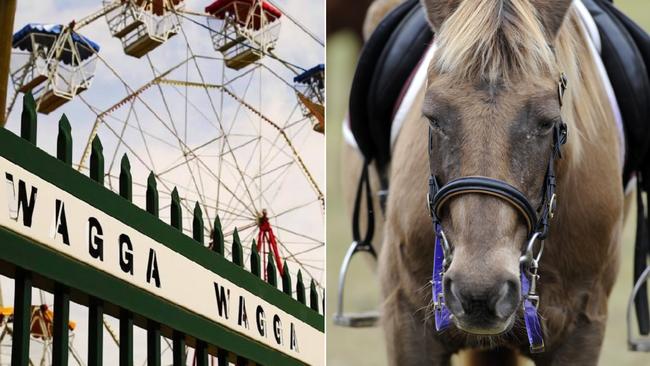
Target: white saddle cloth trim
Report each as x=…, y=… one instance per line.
x=415, y=89
x=348, y=137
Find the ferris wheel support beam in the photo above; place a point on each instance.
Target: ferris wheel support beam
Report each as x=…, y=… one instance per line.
x=96, y=15
x=7, y=15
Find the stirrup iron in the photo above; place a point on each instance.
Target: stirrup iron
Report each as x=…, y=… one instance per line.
x=353, y=320
x=637, y=343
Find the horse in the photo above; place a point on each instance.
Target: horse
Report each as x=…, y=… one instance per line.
x=490, y=109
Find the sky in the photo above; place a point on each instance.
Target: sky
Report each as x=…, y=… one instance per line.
x=209, y=145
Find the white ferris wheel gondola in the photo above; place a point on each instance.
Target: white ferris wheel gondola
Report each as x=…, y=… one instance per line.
x=243, y=30
x=142, y=25
x=54, y=62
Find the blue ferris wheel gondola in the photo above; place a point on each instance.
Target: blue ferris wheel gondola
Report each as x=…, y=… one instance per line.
x=23, y=42
x=316, y=73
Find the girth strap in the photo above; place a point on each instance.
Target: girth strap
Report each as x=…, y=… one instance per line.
x=365, y=243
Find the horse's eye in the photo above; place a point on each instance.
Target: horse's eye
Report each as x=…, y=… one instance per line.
x=434, y=122
x=545, y=125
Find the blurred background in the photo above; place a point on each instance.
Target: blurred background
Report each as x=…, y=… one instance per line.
x=365, y=346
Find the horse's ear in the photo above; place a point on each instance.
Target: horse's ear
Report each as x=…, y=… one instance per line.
x=439, y=10
x=552, y=14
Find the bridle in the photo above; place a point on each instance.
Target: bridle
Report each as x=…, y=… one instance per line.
x=537, y=222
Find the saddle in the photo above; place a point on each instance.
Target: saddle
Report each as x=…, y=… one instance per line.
x=398, y=43
x=394, y=50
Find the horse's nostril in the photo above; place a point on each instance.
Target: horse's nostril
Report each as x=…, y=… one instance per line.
x=452, y=297
x=507, y=298
x=481, y=303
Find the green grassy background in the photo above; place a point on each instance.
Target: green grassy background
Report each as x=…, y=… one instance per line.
x=366, y=346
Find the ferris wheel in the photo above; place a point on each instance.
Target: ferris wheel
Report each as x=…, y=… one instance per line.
x=220, y=103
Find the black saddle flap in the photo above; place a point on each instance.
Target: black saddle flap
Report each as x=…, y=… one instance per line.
x=387, y=60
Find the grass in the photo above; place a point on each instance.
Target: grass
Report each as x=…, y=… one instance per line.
x=366, y=346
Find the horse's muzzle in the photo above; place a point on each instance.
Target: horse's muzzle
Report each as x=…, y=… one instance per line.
x=480, y=309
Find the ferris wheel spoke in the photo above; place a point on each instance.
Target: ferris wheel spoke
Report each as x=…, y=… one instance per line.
x=300, y=235
x=295, y=254
x=279, y=151
x=299, y=122
x=304, y=266
x=135, y=128
x=120, y=139
x=274, y=144
x=241, y=182
x=272, y=170
x=203, y=203
x=129, y=148
x=178, y=162
x=295, y=208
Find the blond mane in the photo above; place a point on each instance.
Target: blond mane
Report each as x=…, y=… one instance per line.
x=500, y=41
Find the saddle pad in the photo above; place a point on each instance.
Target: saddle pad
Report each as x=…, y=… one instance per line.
x=387, y=60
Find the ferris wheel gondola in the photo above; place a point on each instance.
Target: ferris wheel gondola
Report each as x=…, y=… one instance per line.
x=54, y=62
x=310, y=88
x=142, y=25
x=243, y=30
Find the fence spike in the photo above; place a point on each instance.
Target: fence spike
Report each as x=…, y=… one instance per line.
x=64, y=141
x=197, y=224
x=152, y=195
x=237, y=252
x=217, y=236
x=175, y=211
x=313, y=296
x=300, y=289
x=286, y=279
x=28, y=118
x=126, y=184
x=271, y=276
x=255, y=260
x=97, y=161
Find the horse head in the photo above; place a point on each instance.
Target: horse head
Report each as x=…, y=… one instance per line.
x=493, y=104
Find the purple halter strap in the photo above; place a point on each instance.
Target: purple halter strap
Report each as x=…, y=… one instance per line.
x=443, y=315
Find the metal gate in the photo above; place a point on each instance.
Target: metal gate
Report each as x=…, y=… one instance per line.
x=66, y=233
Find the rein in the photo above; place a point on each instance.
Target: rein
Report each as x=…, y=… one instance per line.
x=537, y=222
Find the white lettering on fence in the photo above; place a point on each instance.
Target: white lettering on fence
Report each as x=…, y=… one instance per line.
x=56, y=219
